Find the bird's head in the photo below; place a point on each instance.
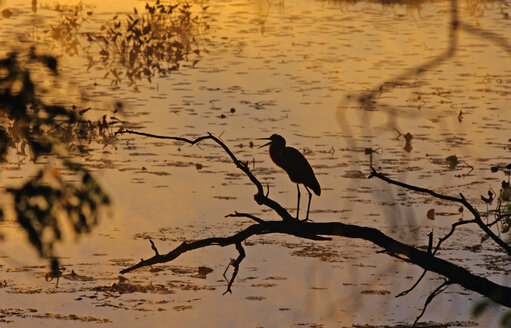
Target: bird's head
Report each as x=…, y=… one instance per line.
x=275, y=139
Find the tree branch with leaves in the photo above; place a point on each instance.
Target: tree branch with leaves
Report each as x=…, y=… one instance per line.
x=33, y=128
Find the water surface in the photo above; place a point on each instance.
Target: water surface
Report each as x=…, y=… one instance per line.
x=295, y=68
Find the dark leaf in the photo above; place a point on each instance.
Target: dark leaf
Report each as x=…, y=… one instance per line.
x=479, y=308
x=452, y=161
x=431, y=214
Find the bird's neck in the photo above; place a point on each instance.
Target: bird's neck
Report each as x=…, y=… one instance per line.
x=276, y=153
x=275, y=150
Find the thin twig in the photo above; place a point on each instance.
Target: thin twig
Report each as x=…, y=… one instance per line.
x=440, y=241
x=499, y=218
x=154, y=247
x=259, y=197
x=430, y=245
x=430, y=241
x=236, y=265
x=430, y=298
x=453, y=227
x=480, y=223
x=403, y=293
x=477, y=217
x=380, y=176
x=245, y=215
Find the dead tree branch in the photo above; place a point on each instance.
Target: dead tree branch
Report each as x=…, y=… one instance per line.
x=477, y=219
x=245, y=215
x=461, y=200
x=319, y=231
x=455, y=274
x=153, y=246
x=498, y=219
x=430, y=298
x=236, y=265
x=403, y=293
x=440, y=241
x=260, y=197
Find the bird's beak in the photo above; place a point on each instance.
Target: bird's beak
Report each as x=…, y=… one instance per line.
x=266, y=144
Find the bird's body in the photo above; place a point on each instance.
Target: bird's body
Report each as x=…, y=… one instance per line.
x=295, y=165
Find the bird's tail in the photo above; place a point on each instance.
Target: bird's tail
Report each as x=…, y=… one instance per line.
x=315, y=187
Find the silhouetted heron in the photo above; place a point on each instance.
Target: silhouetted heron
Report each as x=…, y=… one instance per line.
x=296, y=166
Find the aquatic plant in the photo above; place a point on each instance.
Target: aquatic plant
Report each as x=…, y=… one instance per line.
x=139, y=45
x=142, y=45
x=66, y=30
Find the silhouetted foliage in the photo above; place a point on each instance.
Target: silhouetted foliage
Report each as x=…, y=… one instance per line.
x=148, y=43
x=137, y=45
x=35, y=124
x=46, y=201
x=66, y=29
x=5, y=140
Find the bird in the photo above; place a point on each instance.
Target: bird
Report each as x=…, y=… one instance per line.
x=295, y=165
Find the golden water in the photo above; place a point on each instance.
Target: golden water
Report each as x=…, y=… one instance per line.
x=295, y=68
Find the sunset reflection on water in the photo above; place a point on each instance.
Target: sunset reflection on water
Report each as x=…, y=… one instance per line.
x=297, y=69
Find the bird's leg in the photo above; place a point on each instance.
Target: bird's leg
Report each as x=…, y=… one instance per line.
x=298, y=205
x=309, y=205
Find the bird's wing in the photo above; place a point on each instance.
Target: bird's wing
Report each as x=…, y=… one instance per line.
x=298, y=168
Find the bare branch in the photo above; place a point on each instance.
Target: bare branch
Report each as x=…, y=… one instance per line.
x=482, y=225
x=453, y=227
x=477, y=217
x=380, y=176
x=154, y=247
x=245, y=215
x=403, y=293
x=430, y=243
x=186, y=247
x=259, y=197
x=318, y=231
x=455, y=274
x=236, y=265
x=430, y=298
x=499, y=218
